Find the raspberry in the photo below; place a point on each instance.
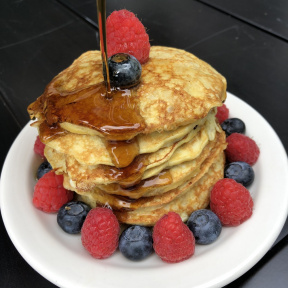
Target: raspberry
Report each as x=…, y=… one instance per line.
x=39, y=147
x=100, y=233
x=126, y=34
x=222, y=113
x=241, y=148
x=231, y=202
x=49, y=193
x=172, y=240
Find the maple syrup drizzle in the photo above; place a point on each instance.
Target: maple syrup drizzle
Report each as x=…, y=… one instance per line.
x=123, y=153
x=124, y=202
x=138, y=190
x=48, y=133
x=120, y=204
x=127, y=176
x=117, y=118
x=101, y=8
x=111, y=111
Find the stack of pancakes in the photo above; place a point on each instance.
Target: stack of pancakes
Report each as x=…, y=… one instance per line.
x=145, y=151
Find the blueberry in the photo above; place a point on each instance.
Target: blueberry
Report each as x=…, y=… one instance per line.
x=205, y=226
x=72, y=215
x=136, y=242
x=241, y=172
x=43, y=169
x=233, y=125
x=124, y=70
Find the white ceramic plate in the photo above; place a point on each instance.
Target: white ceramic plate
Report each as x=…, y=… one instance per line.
x=60, y=258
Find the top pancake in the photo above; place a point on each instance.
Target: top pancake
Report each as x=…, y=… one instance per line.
x=176, y=89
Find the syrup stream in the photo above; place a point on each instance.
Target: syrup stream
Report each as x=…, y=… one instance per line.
x=101, y=8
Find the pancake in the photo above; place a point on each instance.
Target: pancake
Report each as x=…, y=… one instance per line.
x=92, y=149
x=183, y=200
x=87, y=177
x=164, y=181
x=176, y=89
x=167, y=179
